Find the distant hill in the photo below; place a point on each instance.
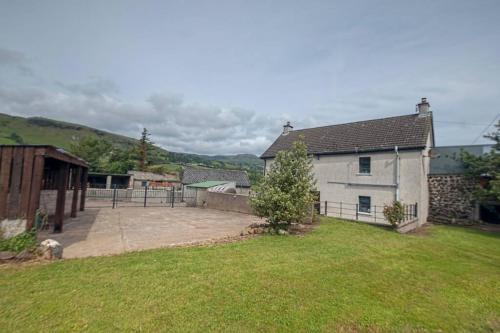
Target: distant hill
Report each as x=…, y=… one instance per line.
x=39, y=130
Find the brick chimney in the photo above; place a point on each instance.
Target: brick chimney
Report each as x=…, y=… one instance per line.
x=423, y=106
x=287, y=128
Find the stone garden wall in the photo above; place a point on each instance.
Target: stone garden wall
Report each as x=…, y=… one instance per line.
x=48, y=199
x=450, y=199
x=229, y=202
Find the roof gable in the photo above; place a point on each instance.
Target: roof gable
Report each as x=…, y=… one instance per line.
x=406, y=132
x=145, y=175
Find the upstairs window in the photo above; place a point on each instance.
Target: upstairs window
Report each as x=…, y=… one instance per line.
x=365, y=204
x=365, y=165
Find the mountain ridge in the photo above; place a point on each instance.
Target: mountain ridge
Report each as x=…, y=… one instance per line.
x=41, y=130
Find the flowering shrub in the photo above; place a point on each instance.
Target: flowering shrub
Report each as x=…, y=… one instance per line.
x=394, y=213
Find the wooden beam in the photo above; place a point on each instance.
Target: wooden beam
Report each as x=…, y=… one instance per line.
x=77, y=177
x=15, y=183
x=4, y=180
x=29, y=153
x=83, y=195
x=64, y=156
x=36, y=187
x=62, y=187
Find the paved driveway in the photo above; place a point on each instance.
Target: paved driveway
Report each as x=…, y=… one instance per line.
x=110, y=231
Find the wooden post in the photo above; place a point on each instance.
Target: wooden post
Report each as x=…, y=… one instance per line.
x=77, y=177
x=5, y=167
x=29, y=154
x=326, y=208
x=62, y=186
x=15, y=183
x=83, y=195
x=357, y=211
x=36, y=187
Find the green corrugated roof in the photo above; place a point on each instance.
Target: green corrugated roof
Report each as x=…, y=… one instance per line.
x=208, y=184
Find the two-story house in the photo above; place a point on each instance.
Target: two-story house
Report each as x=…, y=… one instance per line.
x=361, y=166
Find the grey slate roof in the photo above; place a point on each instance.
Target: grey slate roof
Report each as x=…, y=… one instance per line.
x=193, y=175
x=143, y=175
x=406, y=132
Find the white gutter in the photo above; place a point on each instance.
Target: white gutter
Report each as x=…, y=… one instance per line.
x=397, y=172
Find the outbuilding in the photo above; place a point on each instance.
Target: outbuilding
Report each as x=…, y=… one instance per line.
x=192, y=175
x=108, y=180
x=32, y=176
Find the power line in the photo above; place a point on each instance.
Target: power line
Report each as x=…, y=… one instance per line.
x=486, y=128
x=459, y=123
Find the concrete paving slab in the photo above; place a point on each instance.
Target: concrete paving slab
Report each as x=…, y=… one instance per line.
x=105, y=231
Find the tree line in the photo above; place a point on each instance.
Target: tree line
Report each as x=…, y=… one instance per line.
x=103, y=156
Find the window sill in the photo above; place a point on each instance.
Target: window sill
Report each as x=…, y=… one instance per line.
x=364, y=214
x=363, y=174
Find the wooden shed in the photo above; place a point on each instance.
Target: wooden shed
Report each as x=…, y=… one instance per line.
x=31, y=172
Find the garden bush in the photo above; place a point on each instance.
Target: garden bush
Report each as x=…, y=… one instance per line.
x=23, y=241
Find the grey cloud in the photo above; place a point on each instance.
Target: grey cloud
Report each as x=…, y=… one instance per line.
x=94, y=87
x=11, y=57
x=174, y=124
x=17, y=60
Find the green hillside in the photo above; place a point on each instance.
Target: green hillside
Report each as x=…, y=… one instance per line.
x=38, y=130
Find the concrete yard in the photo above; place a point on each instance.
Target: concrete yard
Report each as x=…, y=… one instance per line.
x=107, y=231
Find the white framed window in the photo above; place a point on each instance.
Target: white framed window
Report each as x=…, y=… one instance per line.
x=364, y=204
x=365, y=165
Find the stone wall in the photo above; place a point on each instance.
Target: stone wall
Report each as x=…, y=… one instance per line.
x=11, y=228
x=450, y=199
x=228, y=202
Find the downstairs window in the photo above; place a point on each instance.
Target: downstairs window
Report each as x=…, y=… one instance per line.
x=364, y=204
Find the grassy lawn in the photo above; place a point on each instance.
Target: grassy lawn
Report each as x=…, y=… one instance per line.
x=341, y=277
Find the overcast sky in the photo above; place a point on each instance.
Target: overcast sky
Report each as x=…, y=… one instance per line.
x=222, y=77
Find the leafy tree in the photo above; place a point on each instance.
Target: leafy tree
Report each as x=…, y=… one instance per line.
x=285, y=194
x=144, y=147
x=486, y=166
x=93, y=150
x=102, y=156
x=120, y=161
x=254, y=174
x=16, y=138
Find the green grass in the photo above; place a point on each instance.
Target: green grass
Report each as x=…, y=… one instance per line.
x=343, y=276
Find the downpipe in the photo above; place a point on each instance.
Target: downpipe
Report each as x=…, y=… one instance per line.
x=396, y=150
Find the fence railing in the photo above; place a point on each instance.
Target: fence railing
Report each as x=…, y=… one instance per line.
x=147, y=196
x=374, y=214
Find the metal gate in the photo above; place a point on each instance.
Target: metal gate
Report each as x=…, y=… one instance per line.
x=143, y=197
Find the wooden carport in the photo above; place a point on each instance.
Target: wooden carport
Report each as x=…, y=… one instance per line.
x=26, y=170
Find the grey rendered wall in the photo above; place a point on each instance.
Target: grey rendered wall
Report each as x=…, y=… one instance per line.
x=229, y=202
